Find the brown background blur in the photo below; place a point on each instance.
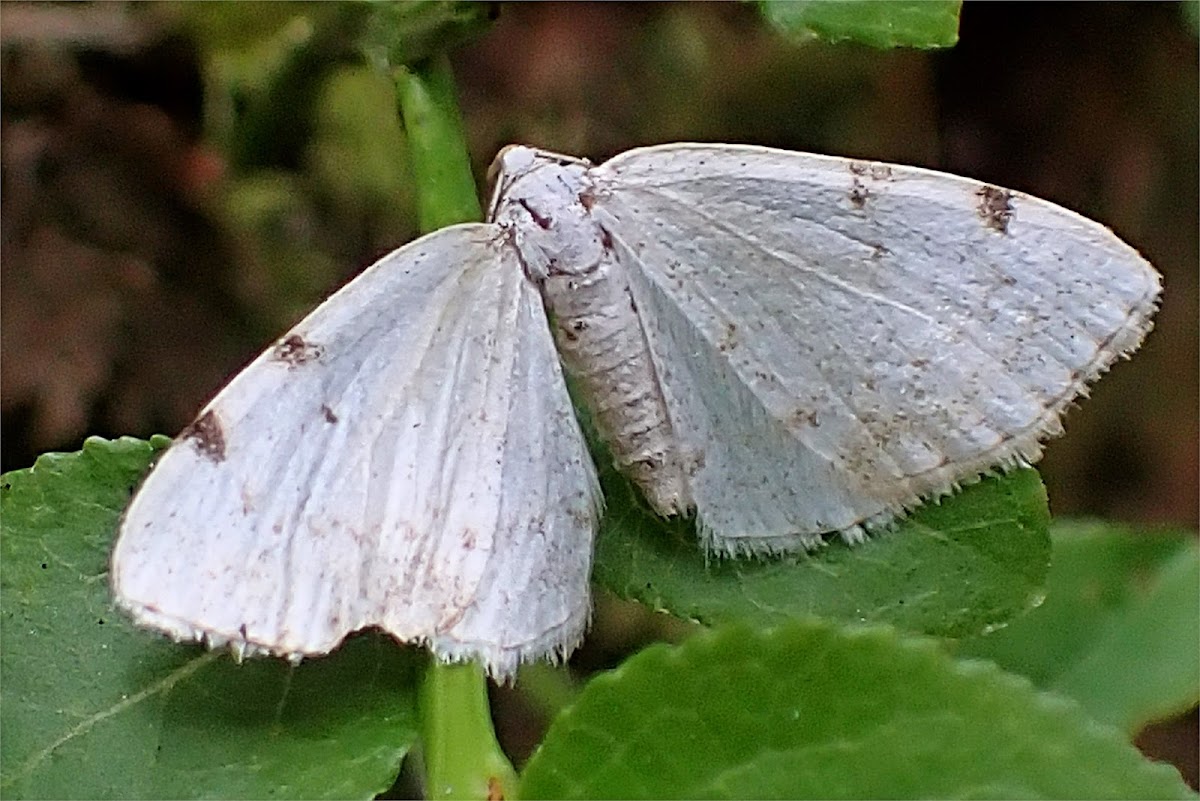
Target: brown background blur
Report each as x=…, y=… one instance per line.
x=165, y=215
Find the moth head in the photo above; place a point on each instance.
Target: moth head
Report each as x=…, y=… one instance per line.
x=538, y=199
x=515, y=162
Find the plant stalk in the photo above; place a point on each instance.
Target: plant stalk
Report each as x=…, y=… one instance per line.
x=463, y=760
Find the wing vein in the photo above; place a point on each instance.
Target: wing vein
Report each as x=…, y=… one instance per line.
x=789, y=259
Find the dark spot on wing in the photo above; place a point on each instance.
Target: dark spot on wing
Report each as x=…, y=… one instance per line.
x=858, y=194
x=207, y=435
x=858, y=190
x=295, y=351
x=995, y=207
x=606, y=239
x=330, y=417
x=729, y=338
x=587, y=199
x=801, y=418
x=863, y=172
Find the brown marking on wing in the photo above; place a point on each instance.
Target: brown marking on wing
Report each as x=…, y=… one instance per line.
x=207, y=435
x=995, y=207
x=295, y=351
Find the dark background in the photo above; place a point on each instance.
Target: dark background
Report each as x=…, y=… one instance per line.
x=181, y=182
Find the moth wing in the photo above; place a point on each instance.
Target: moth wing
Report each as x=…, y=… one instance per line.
x=406, y=457
x=839, y=339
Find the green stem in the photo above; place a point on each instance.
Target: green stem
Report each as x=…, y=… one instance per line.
x=437, y=145
x=462, y=758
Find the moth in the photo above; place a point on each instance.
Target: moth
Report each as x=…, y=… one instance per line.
x=788, y=346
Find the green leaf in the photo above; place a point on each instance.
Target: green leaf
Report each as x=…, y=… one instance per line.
x=93, y=707
x=963, y=566
x=812, y=710
x=878, y=23
x=1118, y=629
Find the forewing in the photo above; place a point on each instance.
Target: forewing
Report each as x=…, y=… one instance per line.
x=838, y=339
x=406, y=457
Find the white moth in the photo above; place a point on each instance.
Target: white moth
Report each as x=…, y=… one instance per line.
x=788, y=345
